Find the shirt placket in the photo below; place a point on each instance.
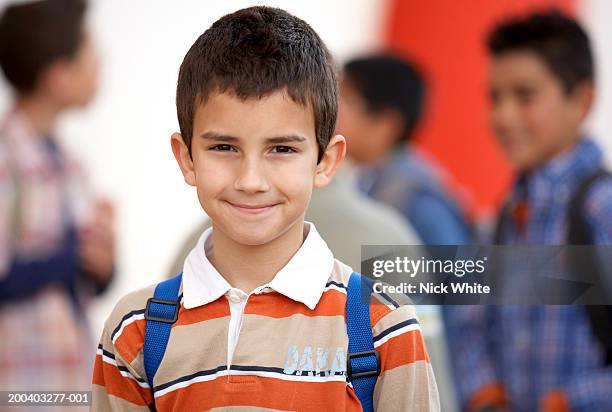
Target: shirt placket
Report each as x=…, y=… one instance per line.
x=238, y=300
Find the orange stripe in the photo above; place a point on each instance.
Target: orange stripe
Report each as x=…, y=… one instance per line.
x=131, y=340
x=261, y=392
x=108, y=375
x=401, y=350
x=555, y=401
x=217, y=309
x=275, y=305
x=492, y=394
x=377, y=311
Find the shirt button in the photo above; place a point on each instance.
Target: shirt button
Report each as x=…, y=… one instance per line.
x=234, y=298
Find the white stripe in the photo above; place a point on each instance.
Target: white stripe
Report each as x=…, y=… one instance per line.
x=294, y=378
x=407, y=328
x=334, y=287
x=105, y=358
x=185, y=384
x=384, y=301
x=126, y=374
x=276, y=375
x=127, y=322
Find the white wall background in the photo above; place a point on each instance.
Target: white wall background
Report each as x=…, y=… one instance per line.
x=597, y=15
x=124, y=136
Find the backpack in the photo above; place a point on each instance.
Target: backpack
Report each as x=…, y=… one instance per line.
x=363, y=363
x=599, y=316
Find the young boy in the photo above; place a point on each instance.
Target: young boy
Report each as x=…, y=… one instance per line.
x=51, y=259
x=262, y=315
x=540, y=358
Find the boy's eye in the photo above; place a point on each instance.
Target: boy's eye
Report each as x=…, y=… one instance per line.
x=525, y=95
x=493, y=96
x=283, y=149
x=221, y=147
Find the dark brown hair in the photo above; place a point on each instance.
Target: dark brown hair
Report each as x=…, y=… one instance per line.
x=252, y=53
x=558, y=40
x=386, y=81
x=35, y=35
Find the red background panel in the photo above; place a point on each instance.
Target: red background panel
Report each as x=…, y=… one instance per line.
x=446, y=39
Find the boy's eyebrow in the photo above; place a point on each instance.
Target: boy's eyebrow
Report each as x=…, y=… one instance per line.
x=293, y=138
x=219, y=137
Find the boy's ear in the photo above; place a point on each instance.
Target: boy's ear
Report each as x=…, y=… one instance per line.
x=331, y=160
x=55, y=79
x=583, y=96
x=183, y=158
x=390, y=125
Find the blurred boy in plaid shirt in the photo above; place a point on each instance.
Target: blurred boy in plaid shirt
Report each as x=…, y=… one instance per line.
x=539, y=358
x=51, y=257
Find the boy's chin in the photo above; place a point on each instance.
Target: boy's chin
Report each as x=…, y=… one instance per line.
x=528, y=163
x=251, y=236
x=522, y=161
x=522, y=165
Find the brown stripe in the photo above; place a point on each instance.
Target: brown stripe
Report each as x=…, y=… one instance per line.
x=258, y=347
x=392, y=318
x=101, y=401
x=412, y=384
x=184, y=355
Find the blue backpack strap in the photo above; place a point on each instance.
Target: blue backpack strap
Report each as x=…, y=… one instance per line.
x=363, y=362
x=161, y=312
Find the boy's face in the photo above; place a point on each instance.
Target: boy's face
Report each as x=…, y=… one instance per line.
x=255, y=164
x=531, y=113
x=73, y=82
x=370, y=136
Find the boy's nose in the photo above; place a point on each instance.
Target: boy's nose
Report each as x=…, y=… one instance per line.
x=504, y=114
x=251, y=177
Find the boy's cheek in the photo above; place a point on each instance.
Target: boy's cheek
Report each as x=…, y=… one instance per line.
x=525, y=142
x=521, y=152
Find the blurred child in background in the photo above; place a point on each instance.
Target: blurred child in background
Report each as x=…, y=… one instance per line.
x=381, y=103
x=53, y=255
x=539, y=358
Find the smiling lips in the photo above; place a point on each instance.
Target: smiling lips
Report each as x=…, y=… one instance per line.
x=252, y=209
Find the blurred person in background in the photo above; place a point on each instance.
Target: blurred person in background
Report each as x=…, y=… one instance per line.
x=56, y=245
x=540, y=358
x=381, y=101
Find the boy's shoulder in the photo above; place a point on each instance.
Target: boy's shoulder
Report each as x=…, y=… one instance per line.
x=129, y=310
x=600, y=192
x=386, y=310
x=598, y=204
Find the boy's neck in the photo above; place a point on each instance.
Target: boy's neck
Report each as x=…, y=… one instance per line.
x=41, y=113
x=562, y=150
x=247, y=267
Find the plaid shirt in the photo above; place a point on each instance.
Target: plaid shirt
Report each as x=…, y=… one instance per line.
x=44, y=342
x=534, y=354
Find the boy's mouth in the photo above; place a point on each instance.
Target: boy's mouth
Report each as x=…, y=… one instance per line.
x=252, y=209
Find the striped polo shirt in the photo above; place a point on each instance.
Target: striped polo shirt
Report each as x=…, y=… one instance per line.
x=282, y=347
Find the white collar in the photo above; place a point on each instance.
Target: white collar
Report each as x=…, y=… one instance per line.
x=302, y=279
